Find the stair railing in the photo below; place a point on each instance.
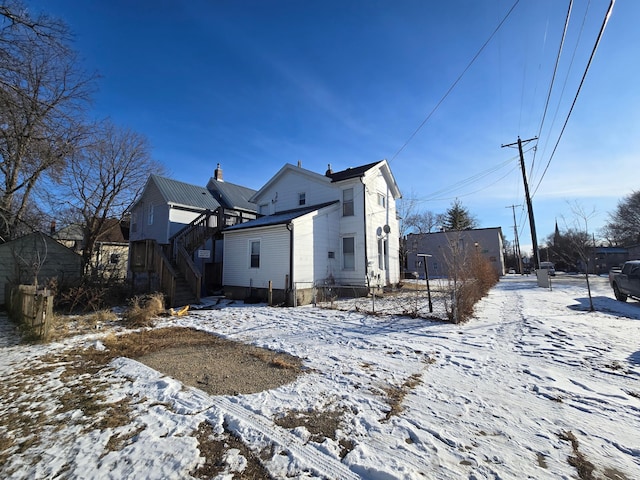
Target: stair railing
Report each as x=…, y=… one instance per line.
x=166, y=273
x=188, y=269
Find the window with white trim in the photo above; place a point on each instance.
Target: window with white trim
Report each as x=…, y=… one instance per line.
x=254, y=253
x=348, y=253
x=302, y=198
x=150, y=216
x=382, y=253
x=347, y=202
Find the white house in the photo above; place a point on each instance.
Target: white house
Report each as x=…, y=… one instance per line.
x=336, y=229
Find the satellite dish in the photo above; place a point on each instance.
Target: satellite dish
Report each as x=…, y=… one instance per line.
x=386, y=228
x=379, y=231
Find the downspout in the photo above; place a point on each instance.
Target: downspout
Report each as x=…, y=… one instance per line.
x=290, y=286
x=364, y=223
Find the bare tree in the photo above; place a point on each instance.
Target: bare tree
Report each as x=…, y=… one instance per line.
x=425, y=222
x=42, y=97
x=623, y=227
x=583, y=240
x=102, y=179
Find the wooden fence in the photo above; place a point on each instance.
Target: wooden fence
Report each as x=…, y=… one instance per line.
x=31, y=307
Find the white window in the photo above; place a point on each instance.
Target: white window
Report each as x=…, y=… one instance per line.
x=348, y=253
x=382, y=253
x=254, y=260
x=382, y=200
x=302, y=198
x=347, y=202
x=150, y=217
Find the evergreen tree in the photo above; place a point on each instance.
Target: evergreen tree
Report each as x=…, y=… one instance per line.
x=457, y=217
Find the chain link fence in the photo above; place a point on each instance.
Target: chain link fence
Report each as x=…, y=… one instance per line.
x=414, y=298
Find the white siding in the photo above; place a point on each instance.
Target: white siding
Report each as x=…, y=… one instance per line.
x=353, y=226
x=315, y=235
x=284, y=194
x=377, y=216
x=274, y=257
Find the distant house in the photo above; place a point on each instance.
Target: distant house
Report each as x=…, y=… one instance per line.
x=37, y=258
x=111, y=249
x=445, y=248
x=175, y=240
x=337, y=229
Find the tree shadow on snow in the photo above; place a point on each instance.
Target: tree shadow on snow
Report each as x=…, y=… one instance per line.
x=635, y=357
x=609, y=305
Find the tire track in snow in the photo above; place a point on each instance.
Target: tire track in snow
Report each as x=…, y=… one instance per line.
x=306, y=455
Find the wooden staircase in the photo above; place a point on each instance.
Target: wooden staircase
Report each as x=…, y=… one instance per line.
x=187, y=278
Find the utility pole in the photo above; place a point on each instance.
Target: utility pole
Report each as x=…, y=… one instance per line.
x=532, y=223
x=517, y=242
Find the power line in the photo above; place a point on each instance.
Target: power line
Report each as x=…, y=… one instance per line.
x=415, y=132
x=575, y=98
x=553, y=77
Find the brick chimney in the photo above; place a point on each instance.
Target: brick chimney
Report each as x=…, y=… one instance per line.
x=217, y=174
x=52, y=228
x=329, y=171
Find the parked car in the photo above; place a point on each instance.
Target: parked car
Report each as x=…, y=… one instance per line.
x=626, y=281
x=550, y=267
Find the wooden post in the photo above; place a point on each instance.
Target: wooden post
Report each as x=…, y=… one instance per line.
x=270, y=294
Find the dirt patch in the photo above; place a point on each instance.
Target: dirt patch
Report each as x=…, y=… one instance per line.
x=199, y=359
x=224, y=367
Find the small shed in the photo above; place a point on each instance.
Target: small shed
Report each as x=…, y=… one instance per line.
x=37, y=257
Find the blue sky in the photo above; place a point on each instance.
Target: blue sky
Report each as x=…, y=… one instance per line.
x=257, y=84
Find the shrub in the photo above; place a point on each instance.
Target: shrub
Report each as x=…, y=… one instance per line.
x=143, y=309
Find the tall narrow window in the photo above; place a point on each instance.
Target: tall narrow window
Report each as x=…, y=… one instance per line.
x=382, y=200
x=150, y=217
x=255, y=253
x=348, y=253
x=302, y=198
x=347, y=202
x=382, y=253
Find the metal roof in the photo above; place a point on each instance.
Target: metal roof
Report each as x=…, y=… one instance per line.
x=231, y=195
x=185, y=194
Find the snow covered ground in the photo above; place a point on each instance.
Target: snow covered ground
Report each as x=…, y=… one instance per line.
x=531, y=387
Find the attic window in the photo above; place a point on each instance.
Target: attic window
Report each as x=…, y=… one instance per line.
x=115, y=258
x=302, y=198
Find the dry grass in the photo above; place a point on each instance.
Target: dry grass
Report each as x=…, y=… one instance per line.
x=277, y=360
x=583, y=466
x=143, y=310
x=396, y=395
x=320, y=425
x=213, y=448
